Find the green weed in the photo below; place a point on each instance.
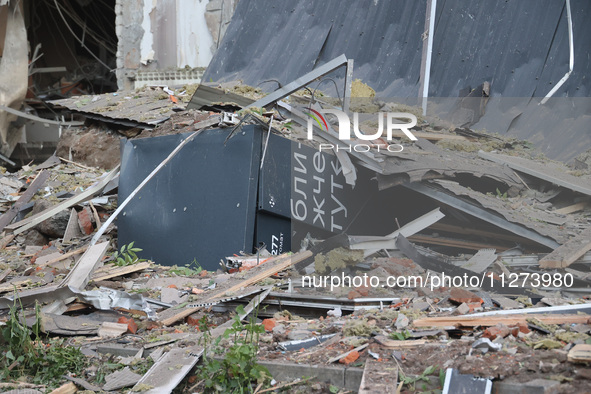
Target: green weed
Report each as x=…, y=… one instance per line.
x=191, y=269
x=42, y=362
x=238, y=371
x=127, y=256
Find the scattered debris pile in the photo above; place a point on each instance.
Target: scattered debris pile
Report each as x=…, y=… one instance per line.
x=484, y=267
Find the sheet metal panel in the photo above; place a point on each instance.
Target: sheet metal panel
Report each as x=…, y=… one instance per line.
x=200, y=206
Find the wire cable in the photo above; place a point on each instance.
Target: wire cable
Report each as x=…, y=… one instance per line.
x=78, y=39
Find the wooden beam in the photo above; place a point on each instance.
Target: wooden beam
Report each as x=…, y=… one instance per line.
x=572, y=208
x=581, y=353
x=113, y=271
x=9, y=215
x=394, y=344
x=4, y=274
x=488, y=321
x=6, y=240
x=277, y=267
x=80, y=275
x=64, y=256
x=568, y=253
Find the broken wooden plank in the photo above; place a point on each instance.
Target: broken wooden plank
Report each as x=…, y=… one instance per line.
x=114, y=272
x=97, y=219
x=62, y=257
x=80, y=275
x=394, y=344
x=168, y=371
x=378, y=378
x=4, y=274
x=43, y=260
x=548, y=172
x=247, y=310
x=487, y=321
x=32, y=221
x=572, y=208
x=580, y=353
x=568, y=253
x=274, y=265
x=9, y=215
x=6, y=240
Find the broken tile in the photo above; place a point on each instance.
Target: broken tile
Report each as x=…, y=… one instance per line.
x=111, y=330
x=120, y=379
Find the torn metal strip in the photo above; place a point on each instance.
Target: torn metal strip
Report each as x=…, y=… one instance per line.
x=227, y=298
x=300, y=82
x=106, y=299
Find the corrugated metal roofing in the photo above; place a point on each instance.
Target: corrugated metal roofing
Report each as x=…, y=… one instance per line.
x=519, y=46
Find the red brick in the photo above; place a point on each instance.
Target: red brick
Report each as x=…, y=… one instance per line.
x=519, y=327
x=500, y=330
x=351, y=357
x=269, y=324
x=474, y=305
x=152, y=325
x=131, y=324
x=460, y=296
x=85, y=221
x=193, y=320
x=363, y=291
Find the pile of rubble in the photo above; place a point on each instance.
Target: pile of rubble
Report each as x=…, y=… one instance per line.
x=486, y=288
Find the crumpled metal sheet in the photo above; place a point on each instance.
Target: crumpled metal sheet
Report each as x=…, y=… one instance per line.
x=107, y=299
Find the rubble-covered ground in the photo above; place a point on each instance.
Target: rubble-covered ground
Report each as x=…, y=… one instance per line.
x=91, y=316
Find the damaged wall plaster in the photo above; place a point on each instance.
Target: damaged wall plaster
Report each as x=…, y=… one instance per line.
x=13, y=75
x=164, y=35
